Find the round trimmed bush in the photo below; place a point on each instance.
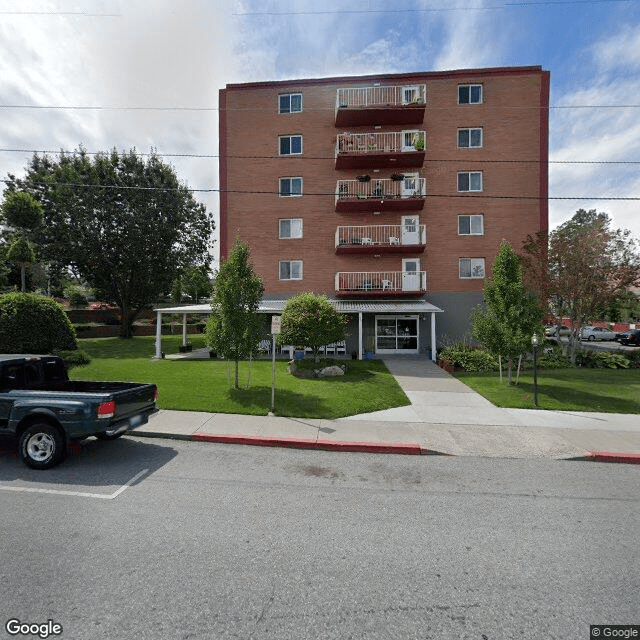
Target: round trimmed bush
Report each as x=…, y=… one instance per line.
x=30, y=323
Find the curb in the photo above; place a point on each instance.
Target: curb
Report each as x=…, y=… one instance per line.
x=609, y=456
x=301, y=443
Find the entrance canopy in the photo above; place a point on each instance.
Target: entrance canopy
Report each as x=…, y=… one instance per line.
x=276, y=307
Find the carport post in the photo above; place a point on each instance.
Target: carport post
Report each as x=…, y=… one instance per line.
x=360, y=335
x=158, y=334
x=433, y=337
x=184, y=329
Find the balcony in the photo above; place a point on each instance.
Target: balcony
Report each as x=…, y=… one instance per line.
x=367, y=106
x=407, y=193
x=393, y=284
x=378, y=239
x=397, y=149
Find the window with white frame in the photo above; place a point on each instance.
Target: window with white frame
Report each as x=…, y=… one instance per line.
x=290, y=145
x=290, y=103
x=290, y=270
x=471, y=268
x=290, y=228
x=471, y=225
x=470, y=181
x=469, y=138
x=469, y=94
x=289, y=187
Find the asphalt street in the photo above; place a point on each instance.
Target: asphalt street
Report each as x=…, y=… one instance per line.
x=144, y=538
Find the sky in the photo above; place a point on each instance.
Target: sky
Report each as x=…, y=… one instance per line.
x=145, y=74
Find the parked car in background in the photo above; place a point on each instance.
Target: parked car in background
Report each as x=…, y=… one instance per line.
x=597, y=333
x=556, y=330
x=631, y=337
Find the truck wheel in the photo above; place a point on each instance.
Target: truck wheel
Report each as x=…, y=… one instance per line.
x=106, y=436
x=41, y=446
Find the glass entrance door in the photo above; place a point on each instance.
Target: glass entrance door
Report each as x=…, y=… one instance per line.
x=397, y=334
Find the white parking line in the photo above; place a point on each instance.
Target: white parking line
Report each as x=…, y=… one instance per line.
x=80, y=494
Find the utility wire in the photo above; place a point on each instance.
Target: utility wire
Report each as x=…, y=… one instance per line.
x=430, y=10
x=319, y=194
x=305, y=157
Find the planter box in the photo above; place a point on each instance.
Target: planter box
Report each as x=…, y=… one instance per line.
x=447, y=365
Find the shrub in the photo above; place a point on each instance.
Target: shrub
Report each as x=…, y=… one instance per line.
x=469, y=358
x=603, y=360
x=77, y=296
x=554, y=359
x=77, y=358
x=634, y=359
x=30, y=323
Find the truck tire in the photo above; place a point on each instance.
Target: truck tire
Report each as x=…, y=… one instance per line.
x=41, y=446
x=106, y=436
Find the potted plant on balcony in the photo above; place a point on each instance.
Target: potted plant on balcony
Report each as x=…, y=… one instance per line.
x=419, y=145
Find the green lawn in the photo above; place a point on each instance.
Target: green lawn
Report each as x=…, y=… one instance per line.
x=603, y=390
x=194, y=385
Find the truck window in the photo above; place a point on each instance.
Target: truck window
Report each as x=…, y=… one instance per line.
x=53, y=371
x=12, y=377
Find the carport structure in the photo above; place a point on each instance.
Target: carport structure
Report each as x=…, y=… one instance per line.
x=395, y=325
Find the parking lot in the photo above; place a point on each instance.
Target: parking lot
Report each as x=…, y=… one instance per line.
x=94, y=469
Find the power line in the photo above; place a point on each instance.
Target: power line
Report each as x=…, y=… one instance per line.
x=312, y=109
x=332, y=194
x=430, y=10
x=305, y=157
x=61, y=13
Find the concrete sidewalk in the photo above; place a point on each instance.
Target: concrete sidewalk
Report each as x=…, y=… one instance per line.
x=445, y=417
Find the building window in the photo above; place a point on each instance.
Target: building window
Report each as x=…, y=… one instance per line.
x=290, y=103
x=471, y=225
x=290, y=145
x=470, y=181
x=290, y=270
x=290, y=228
x=290, y=187
x=469, y=94
x=469, y=138
x=471, y=268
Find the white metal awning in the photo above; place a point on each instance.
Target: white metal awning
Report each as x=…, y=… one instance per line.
x=275, y=306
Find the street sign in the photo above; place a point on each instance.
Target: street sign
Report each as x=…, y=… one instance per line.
x=275, y=324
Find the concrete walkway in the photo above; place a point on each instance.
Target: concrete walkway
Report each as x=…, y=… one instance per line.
x=445, y=416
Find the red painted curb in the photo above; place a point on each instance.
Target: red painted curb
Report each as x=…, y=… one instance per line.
x=608, y=456
x=325, y=445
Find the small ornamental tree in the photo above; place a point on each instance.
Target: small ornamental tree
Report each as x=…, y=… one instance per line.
x=311, y=321
x=581, y=267
x=510, y=316
x=22, y=254
x=31, y=323
x=233, y=329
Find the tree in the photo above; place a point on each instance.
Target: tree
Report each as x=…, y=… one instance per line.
x=582, y=267
x=122, y=223
x=233, y=329
x=21, y=252
x=193, y=282
x=23, y=213
x=34, y=324
x=510, y=315
x=311, y=321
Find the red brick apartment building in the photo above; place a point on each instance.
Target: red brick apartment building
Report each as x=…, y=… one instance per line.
x=388, y=193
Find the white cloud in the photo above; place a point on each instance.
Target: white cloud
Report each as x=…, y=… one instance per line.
x=599, y=135
x=620, y=51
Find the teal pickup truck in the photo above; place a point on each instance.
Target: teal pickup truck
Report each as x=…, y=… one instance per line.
x=45, y=410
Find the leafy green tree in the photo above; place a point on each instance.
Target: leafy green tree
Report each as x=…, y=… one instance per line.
x=23, y=213
x=510, y=315
x=581, y=268
x=234, y=327
x=192, y=282
x=123, y=224
x=34, y=324
x=21, y=252
x=312, y=321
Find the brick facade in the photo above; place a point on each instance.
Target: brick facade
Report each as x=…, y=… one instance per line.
x=513, y=117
